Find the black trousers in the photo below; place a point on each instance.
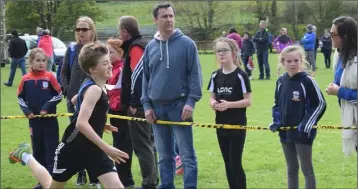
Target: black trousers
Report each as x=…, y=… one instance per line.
x=327, y=57
x=122, y=141
x=231, y=147
x=143, y=146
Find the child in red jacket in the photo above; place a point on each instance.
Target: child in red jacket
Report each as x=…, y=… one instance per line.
x=46, y=44
x=39, y=93
x=122, y=138
x=116, y=55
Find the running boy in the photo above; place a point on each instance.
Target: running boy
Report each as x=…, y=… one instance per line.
x=39, y=93
x=298, y=102
x=82, y=145
x=230, y=95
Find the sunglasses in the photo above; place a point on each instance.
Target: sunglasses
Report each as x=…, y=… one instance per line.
x=82, y=29
x=333, y=34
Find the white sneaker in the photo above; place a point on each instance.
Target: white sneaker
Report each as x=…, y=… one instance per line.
x=251, y=77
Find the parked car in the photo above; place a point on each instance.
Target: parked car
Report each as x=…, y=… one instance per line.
x=59, y=46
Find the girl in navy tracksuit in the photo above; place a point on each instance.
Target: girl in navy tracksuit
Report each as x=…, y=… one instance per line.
x=39, y=93
x=230, y=95
x=298, y=102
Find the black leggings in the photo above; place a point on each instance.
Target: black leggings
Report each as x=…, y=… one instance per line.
x=231, y=149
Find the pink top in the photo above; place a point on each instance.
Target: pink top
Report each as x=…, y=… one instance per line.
x=45, y=44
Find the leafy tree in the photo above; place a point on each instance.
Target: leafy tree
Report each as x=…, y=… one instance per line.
x=262, y=9
x=203, y=17
x=15, y=17
x=323, y=12
x=274, y=20
x=58, y=16
x=70, y=11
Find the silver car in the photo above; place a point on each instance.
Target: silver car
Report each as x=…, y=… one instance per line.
x=59, y=46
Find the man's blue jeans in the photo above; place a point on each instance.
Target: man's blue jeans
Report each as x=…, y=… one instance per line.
x=164, y=136
x=262, y=59
x=15, y=62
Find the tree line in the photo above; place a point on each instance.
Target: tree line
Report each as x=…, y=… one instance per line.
x=204, y=19
x=58, y=16
x=209, y=18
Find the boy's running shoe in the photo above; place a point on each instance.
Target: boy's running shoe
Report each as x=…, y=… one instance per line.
x=16, y=155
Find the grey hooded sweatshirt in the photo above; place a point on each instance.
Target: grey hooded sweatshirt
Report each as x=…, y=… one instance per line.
x=171, y=70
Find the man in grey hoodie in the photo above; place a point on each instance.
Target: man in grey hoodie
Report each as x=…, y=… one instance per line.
x=171, y=86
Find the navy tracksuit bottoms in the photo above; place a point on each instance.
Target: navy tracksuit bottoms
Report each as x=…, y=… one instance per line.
x=44, y=139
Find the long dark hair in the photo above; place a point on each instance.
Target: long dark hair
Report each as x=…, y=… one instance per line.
x=347, y=31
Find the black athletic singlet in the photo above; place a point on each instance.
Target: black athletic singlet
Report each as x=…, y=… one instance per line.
x=73, y=137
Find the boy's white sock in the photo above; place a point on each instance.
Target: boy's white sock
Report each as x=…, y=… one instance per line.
x=26, y=157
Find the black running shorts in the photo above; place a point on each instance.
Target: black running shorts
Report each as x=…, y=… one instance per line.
x=69, y=160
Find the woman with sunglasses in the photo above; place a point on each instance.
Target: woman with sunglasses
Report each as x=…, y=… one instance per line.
x=344, y=38
x=72, y=76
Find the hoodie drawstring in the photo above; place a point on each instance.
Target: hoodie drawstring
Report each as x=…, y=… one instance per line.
x=161, y=52
x=167, y=55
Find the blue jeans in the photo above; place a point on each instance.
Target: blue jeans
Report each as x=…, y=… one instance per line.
x=176, y=149
x=165, y=137
x=262, y=59
x=15, y=62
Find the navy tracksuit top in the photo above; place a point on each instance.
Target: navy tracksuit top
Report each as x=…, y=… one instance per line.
x=39, y=91
x=298, y=102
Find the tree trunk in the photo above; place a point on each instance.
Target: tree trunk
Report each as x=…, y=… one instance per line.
x=294, y=24
x=210, y=19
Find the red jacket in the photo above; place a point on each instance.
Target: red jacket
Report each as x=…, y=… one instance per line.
x=46, y=45
x=115, y=94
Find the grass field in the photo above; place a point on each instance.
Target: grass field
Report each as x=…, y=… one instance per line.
x=142, y=10
x=263, y=158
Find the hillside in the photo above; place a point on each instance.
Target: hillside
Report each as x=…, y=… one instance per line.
x=143, y=12
x=114, y=10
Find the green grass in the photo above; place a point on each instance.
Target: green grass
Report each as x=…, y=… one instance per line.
x=143, y=13
x=114, y=10
x=263, y=159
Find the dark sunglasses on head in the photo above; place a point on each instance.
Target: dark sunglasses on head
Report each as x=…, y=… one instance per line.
x=82, y=29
